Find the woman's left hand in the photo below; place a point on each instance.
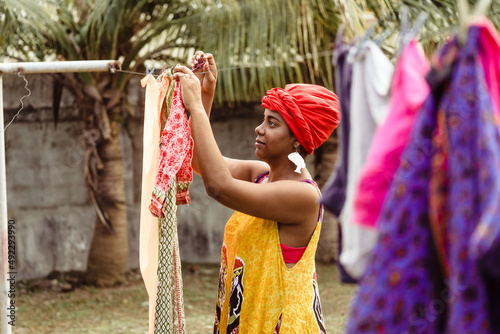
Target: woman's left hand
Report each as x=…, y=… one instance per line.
x=191, y=88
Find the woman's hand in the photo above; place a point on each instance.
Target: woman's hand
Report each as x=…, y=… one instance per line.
x=207, y=74
x=191, y=88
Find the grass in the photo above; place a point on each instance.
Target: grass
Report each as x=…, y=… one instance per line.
x=43, y=308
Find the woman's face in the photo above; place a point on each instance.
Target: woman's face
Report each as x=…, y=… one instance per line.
x=273, y=137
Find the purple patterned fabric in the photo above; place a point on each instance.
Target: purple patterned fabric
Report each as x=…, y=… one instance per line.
x=401, y=292
x=474, y=166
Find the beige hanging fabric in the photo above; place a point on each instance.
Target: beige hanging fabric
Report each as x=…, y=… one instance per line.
x=159, y=249
x=148, y=238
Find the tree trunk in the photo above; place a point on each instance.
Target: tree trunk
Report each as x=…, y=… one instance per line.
x=108, y=256
x=325, y=158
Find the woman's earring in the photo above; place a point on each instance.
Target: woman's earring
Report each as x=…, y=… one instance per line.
x=297, y=159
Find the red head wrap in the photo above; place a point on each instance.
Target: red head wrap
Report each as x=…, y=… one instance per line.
x=311, y=112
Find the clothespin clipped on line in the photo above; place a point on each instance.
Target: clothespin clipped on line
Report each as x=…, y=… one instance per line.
x=382, y=36
x=353, y=53
x=162, y=74
x=405, y=18
x=408, y=34
x=465, y=18
x=147, y=70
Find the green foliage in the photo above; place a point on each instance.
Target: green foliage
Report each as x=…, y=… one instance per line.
x=258, y=44
x=443, y=19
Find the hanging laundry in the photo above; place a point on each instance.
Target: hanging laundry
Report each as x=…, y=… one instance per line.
x=334, y=191
x=148, y=236
x=171, y=188
x=408, y=92
x=169, y=307
x=166, y=174
x=175, y=157
x=402, y=290
x=371, y=80
x=439, y=185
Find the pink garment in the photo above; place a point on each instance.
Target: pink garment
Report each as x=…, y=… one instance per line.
x=489, y=53
x=408, y=91
x=175, y=157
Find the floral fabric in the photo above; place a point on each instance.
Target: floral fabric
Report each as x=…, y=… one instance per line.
x=175, y=157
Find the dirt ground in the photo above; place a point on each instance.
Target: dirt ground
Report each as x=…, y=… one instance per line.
x=44, y=308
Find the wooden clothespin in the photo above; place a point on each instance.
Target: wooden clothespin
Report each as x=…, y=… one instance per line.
x=467, y=14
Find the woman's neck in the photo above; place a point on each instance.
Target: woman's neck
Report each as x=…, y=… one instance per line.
x=285, y=171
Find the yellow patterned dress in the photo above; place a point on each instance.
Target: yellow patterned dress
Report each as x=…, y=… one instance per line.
x=257, y=292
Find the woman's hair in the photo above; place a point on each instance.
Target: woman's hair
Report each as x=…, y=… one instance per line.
x=302, y=152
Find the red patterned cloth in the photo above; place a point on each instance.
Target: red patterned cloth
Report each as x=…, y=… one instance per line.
x=175, y=157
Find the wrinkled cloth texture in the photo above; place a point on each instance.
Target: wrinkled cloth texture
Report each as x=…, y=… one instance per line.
x=334, y=190
x=169, y=306
x=398, y=292
x=408, y=92
x=148, y=235
x=311, y=112
x=439, y=212
x=370, y=95
x=159, y=250
x=175, y=157
x=257, y=292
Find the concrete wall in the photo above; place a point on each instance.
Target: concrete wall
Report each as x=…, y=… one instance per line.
x=47, y=195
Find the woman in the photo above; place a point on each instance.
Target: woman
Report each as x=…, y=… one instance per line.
x=267, y=277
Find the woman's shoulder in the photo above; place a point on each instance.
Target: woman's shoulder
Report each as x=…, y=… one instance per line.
x=246, y=170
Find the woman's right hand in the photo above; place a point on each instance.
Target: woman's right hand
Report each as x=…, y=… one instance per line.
x=207, y=74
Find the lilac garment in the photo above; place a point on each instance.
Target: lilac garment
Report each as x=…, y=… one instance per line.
x=408, y=92
x=399, y=292
x=334, y=191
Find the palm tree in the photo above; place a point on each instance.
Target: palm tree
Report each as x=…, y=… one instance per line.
x=80, y=30
x=135, y=31
x=261, y=43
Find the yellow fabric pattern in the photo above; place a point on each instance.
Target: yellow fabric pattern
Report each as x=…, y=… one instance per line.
x=257, y=290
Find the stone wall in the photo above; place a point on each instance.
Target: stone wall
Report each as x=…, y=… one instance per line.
x=47, y=195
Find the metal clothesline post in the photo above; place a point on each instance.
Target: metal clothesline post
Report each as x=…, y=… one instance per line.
x=8, y=273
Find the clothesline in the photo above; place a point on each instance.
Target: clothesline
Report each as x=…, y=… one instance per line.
x=250, y=65
x=255, y=65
